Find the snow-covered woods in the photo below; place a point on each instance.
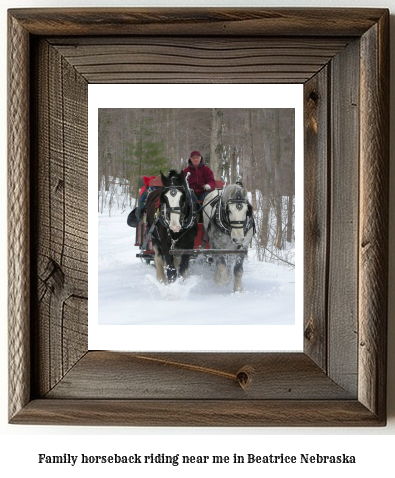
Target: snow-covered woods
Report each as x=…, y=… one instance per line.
x=128, y=292
x=258, y=145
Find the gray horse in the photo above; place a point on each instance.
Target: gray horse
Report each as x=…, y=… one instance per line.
x=229, y=224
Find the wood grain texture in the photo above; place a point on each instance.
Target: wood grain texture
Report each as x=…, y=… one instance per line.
x=202, y=413
x=208, y=21
x=373, y=227
x=163, y=59
x=316, y=214
x=343, y=259
x=196, y=375
x=49, y=253
x=61, y=215
x=18, y=222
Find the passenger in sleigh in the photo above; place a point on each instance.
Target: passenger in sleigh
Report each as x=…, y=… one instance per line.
x=138, y=212
x=201, y=178
x=144, y=190
x=143, y=193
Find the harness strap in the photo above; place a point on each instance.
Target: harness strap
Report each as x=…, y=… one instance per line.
x=189, y=219
x=237, y=222
x=222, y=223
x=213, y=202
x=149, y=234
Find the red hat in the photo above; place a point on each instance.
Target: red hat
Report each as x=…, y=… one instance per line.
x=195, y=153
x=147, y=179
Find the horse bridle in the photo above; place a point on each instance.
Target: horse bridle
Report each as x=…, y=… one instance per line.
x=240, y=202
x=222, y=215
x=186, y=221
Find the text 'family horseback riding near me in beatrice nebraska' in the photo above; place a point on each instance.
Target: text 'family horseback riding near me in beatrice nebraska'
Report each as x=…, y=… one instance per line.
x=177, y=459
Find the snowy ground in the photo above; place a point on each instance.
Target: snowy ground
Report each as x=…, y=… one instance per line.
x=128, y=293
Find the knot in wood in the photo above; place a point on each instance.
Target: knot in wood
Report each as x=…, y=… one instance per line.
x=244, y=376
x=308, y=332
x=313, y=96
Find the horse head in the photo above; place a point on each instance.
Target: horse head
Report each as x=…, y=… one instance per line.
x=173, y=200
x=238, y=212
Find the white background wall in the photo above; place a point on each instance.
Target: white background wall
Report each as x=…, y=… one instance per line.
x=20, y=446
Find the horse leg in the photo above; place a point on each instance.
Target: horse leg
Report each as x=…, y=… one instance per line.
x=171, y=271
x=188, y=243
x=238, y=274
x=221, y=276
x=159, y=264
x=176, y=262
x=184, y=264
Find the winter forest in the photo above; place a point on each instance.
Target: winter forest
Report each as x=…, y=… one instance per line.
x=256, y=144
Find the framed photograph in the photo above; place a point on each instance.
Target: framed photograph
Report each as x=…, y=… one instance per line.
x=255, y=140
x=340, y=60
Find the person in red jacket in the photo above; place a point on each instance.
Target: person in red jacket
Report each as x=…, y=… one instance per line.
x=144, y=190
x=201, y=178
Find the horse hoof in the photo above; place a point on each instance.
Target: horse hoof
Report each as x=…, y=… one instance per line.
x=172, y=276
x=184, y=275
x=237, y=287
x=221, y=279
x=161, y=279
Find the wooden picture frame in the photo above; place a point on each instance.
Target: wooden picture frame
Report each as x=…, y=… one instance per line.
x=342, y=58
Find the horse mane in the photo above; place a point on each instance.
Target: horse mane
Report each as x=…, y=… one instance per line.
x=231, y=190
x=162, y=238
x=151, y=204
x=172, y=174
x=152, y=198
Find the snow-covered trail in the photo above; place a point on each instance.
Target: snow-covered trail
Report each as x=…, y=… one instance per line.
x=129, y=293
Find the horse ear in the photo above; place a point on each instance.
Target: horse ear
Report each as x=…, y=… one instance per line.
x=244, y=192
x=164, y=178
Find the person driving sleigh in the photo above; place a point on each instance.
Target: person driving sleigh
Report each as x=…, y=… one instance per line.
x=201, y=178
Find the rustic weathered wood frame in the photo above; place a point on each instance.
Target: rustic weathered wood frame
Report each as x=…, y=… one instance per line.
x=340, y=378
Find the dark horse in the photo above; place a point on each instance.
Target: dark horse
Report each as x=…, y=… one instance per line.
x=175, y=224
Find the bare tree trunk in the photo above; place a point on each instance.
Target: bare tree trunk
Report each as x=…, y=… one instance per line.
x=264, y=237
x=265, y=205
x=249, y=180
x=233, y=164
x=264, y=174
x=187, y=147
x=290, y=218
x=106, y=178
x=168, y=153
x=279, y=226
x=174, y=160
x=216, y=142
x=278, y=196
x=247, y=149
x=291, y=192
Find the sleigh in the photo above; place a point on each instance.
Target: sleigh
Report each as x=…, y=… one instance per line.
x=201, y=245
